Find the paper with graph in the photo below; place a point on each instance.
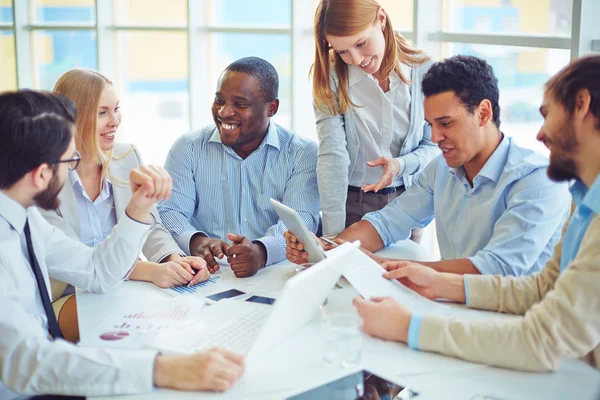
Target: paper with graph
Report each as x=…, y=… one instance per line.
x=134, y=325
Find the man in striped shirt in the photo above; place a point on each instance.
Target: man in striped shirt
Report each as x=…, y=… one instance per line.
x=224, y=174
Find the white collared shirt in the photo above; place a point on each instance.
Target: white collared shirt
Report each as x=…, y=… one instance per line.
x=31, y=363
x=382, y=122
x=96, y=218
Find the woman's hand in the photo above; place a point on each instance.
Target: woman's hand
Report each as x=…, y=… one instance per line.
x=391, y=169
x=182, y=271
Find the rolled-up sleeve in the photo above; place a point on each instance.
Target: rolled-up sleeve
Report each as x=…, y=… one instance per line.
x=412, y=209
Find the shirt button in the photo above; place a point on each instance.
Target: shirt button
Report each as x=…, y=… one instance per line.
x=458, y=226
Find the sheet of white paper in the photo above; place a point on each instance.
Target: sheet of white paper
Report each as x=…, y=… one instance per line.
x=366, y=277
x=132, y=326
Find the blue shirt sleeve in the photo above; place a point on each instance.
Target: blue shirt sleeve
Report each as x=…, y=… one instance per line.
x=412, y=209
x=466, y=290
x=301, y=194
x=177, y=211
x=536, y=210
x=414, y=330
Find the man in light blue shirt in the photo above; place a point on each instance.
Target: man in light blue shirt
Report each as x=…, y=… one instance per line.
x=558, y=308
x=496, y=210
x=224, y=175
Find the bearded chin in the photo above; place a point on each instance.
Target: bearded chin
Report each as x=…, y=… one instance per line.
x=48, y=199
x=562, y=170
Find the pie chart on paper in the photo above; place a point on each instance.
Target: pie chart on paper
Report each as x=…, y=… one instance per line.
x=114, y=335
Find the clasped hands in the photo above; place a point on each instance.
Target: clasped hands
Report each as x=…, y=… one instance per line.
x=244, y=256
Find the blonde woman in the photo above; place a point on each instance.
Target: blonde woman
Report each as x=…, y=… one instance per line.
x=369, y=109
x=97, y=191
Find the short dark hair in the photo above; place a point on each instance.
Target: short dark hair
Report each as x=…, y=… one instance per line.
x=35, y=128
x=263, y=71
x=470, y=78
x=582, y=73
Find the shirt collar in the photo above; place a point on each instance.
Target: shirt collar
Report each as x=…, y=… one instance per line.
x=355, y=75
x=76, y=182
x=494, y=166
x=13, y=213
x=271, y=138
x=590, y=198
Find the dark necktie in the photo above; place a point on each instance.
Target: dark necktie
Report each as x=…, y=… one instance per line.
x=53, y=327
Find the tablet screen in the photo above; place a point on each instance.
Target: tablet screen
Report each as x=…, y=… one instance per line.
x=360, y=385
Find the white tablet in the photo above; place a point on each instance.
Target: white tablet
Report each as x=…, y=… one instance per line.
x=294, y=224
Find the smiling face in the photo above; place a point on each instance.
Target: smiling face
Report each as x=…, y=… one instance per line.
x=558, y=134
x=109, y=118
x=455, y=130
x=364, y=50
x=240, y=112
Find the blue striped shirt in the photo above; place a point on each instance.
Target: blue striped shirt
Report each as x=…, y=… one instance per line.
x=217, y=192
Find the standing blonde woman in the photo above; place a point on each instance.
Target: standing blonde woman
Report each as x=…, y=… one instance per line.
x=96, y=193
x=369, y=109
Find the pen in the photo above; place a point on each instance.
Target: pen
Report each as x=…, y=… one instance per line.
x=326, y=240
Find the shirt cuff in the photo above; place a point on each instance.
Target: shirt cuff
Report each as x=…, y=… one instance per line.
x=402, y=166
x=129, y=230
x=273, y=247
x=137, y=372
x=466, y=290
x=162, y=259
x=185, y=238
x=414, y=329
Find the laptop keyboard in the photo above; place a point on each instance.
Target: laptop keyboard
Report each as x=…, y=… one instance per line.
x=237, y=334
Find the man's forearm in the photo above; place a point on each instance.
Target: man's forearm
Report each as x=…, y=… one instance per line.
x=460, y=266
x=366, y=233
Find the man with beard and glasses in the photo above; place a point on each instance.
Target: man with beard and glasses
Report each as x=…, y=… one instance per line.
x=495, y=210
x=38, y=147
x=224, y=174
x=560, y=306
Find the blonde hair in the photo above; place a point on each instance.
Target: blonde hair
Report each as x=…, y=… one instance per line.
x=84, y=87
x=347, y=18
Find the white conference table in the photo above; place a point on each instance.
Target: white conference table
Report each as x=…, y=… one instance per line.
x=295, y=364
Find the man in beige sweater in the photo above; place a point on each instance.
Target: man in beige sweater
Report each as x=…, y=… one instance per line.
x=560, y=306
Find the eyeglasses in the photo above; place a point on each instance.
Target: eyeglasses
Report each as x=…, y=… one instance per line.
x=73, y=162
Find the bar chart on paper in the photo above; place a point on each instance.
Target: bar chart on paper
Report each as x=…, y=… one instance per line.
x=183, y=290
x=130, y=329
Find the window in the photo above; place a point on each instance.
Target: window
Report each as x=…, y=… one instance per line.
x=531, y=17
x=8, y=64
x=521, y=73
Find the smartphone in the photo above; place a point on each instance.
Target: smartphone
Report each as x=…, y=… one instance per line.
x=261, y=299
x=227, y=294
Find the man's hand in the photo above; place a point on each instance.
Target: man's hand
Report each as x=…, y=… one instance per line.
x=294, y=250
x=426, y=281
x=384, y=318
x=244, y=256
x=208, y=249
x=214, y=369
x=391, y=168
x=149, y=184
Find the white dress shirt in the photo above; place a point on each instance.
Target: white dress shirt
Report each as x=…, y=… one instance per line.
x=29, y=361
x=96, y=218
x=382, y=123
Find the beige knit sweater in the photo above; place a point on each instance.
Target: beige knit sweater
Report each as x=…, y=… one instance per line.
x=560, y=315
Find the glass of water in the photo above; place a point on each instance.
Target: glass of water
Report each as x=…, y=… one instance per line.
x=342, y=339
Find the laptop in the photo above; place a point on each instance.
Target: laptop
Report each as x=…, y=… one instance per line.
x=253, y=328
